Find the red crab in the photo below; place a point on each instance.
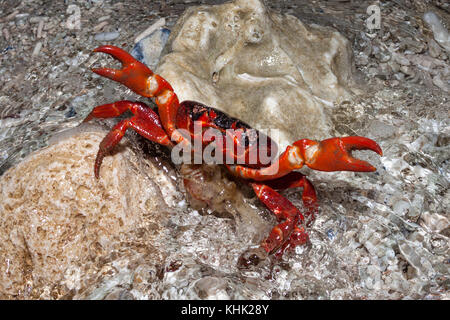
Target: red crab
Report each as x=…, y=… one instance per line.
x=164, y=126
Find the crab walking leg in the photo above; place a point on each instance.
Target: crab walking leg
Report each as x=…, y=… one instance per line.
x=145, y=122
x=309, y=198
x=115, y=109
x=297, y=238
x=139, y=78
x=332, y=154
x=283, y=210
x=144, y=128
x=294, y=180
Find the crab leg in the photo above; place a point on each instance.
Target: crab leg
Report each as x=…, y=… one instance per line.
x=115, y=109
x=287, y=233
x=332, y=154
x=294, y=180
x=145, y=122
x=139, y=78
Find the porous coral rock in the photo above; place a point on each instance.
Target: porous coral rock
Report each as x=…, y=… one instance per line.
x=267, y=69
x=63, y=230
x=66, y=234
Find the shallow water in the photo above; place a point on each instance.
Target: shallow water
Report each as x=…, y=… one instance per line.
x=382, y=235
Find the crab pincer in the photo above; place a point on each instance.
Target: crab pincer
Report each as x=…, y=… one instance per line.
x=334, y=154
x=143, y=81
x=134, y=74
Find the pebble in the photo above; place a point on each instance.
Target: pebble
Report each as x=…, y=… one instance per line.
x=433, y=48
x=440, y=33
x=107, y=36
x=71, y=113
x=38, y=19
x=434, y=221
x=427, y=80
x=373, y=280
x=401, y=207
x=412, y=45
x=400, y=59
x=39, y=29
x=394, y=66
x=380, y=129
x=362, y=59
x=101, y=19
x=37, y=49
x=331, y=235
x=21, y=15
x=384, y=69
x=383, y=56
x=372, y=71
x=444, y=85
x=148, y=50
x=10, y=16
x=6, y=34
x=407, y=70
x=425, y=62
x=100, y=26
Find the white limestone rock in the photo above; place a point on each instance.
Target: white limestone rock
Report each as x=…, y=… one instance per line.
x=267, y=69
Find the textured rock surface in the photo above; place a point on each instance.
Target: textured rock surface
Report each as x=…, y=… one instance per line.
x=67, y=235
x=270, y=70
x=63, y=231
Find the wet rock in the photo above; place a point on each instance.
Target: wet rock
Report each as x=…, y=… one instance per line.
x=211, y=288
x=361, y=59
x=434, y=48
x=383, y=56
x=434, y=221
x=381, y=130
x=394, y=66
x=412, y=46
x=426, y=63
x=148, y=49
x=384, y=70
x=61, y=227
x=440, y=32
x=408, y=70
x=268, y=69
x=441, y=83
x=71, y=113
x=400, y=59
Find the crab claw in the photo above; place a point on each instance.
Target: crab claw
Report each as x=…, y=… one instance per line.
x=134, y=74
x=334, y=154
